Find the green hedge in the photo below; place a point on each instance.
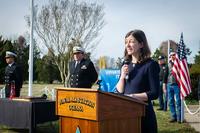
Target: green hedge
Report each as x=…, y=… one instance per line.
x=195, y=77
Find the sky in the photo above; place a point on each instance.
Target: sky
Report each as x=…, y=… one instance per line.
x=161, y=20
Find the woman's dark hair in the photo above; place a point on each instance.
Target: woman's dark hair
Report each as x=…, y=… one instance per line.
x=145, y=52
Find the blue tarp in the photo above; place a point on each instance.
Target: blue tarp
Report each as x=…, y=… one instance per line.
x=109, y=79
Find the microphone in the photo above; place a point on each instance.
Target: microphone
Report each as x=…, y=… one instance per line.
x=126, y=62
x=44, y=96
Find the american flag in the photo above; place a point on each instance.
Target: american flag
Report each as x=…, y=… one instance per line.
x=180, y=69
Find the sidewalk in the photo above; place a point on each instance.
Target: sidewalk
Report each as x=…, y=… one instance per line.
x=193, y=120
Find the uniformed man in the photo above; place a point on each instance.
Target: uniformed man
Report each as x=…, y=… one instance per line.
x=13, y=75
x=163, y=83
x=82, y=71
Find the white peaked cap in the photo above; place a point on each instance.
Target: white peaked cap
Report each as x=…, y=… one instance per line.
x=77, y=49
x=10, y=54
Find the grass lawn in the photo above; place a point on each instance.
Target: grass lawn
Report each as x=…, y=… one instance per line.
x=165, y=127
x=162, y=117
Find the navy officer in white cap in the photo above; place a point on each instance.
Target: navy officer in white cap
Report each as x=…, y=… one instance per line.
x=13, y=74
x=82, y=71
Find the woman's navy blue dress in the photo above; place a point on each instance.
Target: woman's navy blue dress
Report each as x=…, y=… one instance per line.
x=144, y=77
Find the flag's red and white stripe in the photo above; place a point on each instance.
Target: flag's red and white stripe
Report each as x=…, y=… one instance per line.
x=181, y=74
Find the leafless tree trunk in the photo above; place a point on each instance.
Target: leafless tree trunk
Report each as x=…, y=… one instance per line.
x=60, y=21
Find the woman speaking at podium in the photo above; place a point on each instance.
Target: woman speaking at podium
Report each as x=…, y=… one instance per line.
x=140, y=78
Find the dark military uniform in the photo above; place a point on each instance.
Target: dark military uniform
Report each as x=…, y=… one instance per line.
x=13, y=73
x=163, y=79
x=163, y=72
x=83, y=75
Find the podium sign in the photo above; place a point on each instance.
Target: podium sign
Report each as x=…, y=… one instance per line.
x=79, y=104
x=94, y=111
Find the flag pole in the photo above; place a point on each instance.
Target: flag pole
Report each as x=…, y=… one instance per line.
x=168, y=50
x=182, y=101
x=182, y=109
x=31, y=51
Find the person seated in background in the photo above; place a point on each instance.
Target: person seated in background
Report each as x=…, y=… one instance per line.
x=82, y=71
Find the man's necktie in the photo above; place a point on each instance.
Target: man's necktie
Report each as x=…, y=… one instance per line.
x=76, y=63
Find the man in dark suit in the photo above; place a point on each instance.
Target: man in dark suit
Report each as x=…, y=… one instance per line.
x=13, y=75
x=82, y=71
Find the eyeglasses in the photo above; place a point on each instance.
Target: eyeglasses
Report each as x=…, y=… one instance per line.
x=172, y=55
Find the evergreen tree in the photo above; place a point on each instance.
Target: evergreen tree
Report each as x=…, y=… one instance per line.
x=197, y=58
x=156, y=54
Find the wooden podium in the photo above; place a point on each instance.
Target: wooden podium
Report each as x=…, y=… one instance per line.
x=94, y=111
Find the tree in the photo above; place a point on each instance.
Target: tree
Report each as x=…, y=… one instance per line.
x=156, y=54
x=106, y=62
x=102, y=62
x=197, y=58
x=46, y=71
x=195, y=76
x=22, y=50
x=195, y=67
x=63, y=24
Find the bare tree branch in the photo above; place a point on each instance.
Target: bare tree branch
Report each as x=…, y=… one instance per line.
x=60, y=21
